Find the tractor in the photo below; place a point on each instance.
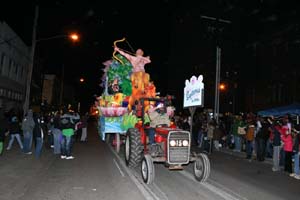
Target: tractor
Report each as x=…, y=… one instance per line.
x=172, y=147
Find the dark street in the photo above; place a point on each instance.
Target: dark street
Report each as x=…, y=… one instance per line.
x=98, y=172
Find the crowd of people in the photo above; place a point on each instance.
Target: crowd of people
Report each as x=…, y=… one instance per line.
x=256, y=136
x=56, y=130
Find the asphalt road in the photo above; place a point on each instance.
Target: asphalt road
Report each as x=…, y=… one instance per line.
x=98, y=172
x=93, y=174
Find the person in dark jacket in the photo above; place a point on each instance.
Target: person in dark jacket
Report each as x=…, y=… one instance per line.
x=27, y=127
x=38, y=135
x=261, y=139
x=14, y=132
x=3, y=130
x=56, y=132
x=275, y=128
x=67, y=125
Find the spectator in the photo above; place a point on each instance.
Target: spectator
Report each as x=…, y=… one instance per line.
x=249, y=137
x=78, y=131
x=3, y=131
x=14, y=132
x=261, y=138
x=211, y=125
x=201, y=133
x=238, y=122
x=288, y=148
x=27, y=127
x=84, y=128
x=296, y=148
x=67, y=122
x=56, y=132
x=275, y=127
x=217, y=135
x=38, y=135
x=185, y=124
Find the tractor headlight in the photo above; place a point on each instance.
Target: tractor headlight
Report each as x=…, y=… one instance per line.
x=172, y=143
x=185, y=143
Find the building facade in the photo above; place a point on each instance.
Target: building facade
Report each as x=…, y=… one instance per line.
x=14, y=63
x=51, y=89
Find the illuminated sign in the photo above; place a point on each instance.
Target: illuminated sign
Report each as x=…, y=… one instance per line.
x=194, y=92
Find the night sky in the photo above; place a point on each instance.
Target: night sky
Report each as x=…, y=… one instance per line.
x=99, y=25
x=179, y=42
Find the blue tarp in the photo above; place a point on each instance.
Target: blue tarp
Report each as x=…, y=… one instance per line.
x=292, y=109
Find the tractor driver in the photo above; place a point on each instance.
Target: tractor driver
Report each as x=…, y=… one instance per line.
x=158, y=116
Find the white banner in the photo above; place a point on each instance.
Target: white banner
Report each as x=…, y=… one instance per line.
x=193, y=92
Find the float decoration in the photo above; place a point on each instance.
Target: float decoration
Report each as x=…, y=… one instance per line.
x=129, y=121
x=118, y=76
x=124, y=84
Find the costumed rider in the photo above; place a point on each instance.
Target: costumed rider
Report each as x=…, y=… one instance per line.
x=159, y=116
x=138, y=62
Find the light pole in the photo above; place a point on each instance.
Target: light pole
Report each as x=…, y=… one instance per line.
x=72, y=36
x=30, y=68
x=218, y=65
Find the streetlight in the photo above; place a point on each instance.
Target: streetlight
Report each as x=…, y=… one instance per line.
x=222, y=87
x=72, y=36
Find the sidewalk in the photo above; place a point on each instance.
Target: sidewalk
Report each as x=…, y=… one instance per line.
x=243, y=155
x=235, y=153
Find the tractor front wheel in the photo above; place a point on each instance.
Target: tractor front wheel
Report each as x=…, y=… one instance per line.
x=148, y=170
x=202, y=168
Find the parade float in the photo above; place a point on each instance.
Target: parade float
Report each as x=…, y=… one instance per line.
x=123, y=86
x=129, y=100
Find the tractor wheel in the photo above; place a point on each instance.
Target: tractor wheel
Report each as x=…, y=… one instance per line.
x=148, y=170
x=207, y=166
x=133, y=148
x=202, y=168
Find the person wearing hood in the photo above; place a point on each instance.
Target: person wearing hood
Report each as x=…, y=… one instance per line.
x=27, y=127
x=14, y=132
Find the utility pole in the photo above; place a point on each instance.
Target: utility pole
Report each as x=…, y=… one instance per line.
x=217, y=86
x=31, y=62
x=218, y=65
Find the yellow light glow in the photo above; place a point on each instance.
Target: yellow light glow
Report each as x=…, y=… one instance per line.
x=222, y=86
x=81, y=80
x=74, y=37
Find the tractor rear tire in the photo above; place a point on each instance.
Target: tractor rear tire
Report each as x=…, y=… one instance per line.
x=133, y=148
